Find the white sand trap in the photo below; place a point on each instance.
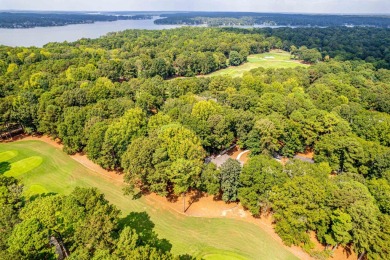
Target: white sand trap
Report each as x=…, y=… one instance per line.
x=269, y=57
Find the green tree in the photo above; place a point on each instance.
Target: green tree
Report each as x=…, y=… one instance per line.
x=204, y=109
x=210, y=179
x=230, y=179
x=308, y=55
x=341, y=226
x=139, y=161
x=184, y=175
x=366, y=227
x=95, y=141
x=259, y=175
x=71, y=130
x=120, y=134
x=300, y=205
x=355, y=199
x=157, y=121
x=264, y=137
x=148, y=161
x=30, y=240
x=380, y=190
x=180, y=142
x=84, y=220
x=11, y=202
x=344, y=154
x=235, y=58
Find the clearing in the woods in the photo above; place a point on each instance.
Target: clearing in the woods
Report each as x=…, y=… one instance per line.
x=272, y=59
x=44, y=168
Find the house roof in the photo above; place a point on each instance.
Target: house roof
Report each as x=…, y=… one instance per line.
x=220, y=159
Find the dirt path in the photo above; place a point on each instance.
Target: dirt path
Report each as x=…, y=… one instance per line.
x=239, y=155
x=198, y=205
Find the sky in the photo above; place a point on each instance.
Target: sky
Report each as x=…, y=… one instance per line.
x=291, y=6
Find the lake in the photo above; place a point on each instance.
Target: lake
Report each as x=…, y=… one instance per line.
x=40, y=36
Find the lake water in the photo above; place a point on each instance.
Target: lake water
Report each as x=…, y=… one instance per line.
x=39, y=36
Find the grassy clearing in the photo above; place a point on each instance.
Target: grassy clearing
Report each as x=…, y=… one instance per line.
x=8, y=155
x=212, y=238
x=23, y=166
x=272, y=59
x=222, y=256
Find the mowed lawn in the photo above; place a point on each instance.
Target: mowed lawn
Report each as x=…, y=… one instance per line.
x=272, y=59
x=43, y=168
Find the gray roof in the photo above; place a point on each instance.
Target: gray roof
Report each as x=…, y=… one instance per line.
x=303, y=159
x=220, y=159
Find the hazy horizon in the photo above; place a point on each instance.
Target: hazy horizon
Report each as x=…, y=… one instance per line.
x=180, y=11
x=380, y=7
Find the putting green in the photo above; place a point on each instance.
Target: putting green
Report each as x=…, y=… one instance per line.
x=223, y=256
x=35, y=189
x=43, y=168
x=8, y=155
x=23, y=166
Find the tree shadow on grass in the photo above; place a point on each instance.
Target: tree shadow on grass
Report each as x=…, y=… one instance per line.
x=4, y=167
x=141, y=223
x=188, y=257
x=41, y=195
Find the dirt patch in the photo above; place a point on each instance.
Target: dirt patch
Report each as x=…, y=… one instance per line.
x=197, y=204
x=208, y=206
x=244, y=157
x=233, y=153
x=238, y=154
x=340, y=253
x=308, y=155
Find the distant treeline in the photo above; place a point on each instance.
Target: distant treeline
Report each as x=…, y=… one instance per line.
x=341, y=43
x=231, y=18
x=30, y=20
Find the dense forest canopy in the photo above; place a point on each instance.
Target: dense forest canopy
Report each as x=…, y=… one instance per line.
x=341, y=43
x=275, y=19
x=108, y=98
x=81, y=225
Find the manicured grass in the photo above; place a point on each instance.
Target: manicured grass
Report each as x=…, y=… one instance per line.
x=222, y=256
x=23, y=166
x=8, y=155
x=272, y=59
x=209, y=238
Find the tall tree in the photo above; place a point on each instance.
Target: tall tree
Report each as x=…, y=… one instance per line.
x=230, y=179
x=184, y=175
x=120, y=134
x=341, y=226
x=11, y=202
x=259, y=175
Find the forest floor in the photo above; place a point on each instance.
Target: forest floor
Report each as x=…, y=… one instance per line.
x=198, y=205
x=272, y=59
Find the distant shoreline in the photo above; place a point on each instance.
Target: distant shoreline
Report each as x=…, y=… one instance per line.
x=25, y=20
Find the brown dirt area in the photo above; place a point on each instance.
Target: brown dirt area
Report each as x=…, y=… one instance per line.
x=340, y=253
x=308, y=154
x=198, y=204
x=236, y=151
